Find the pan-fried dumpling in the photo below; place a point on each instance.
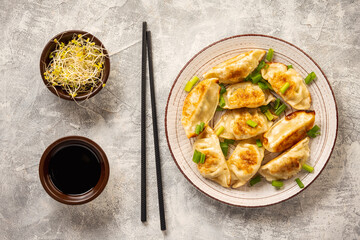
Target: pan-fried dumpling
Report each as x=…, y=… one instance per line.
x=237, y=68
x=288, y=131
x=214, y=167
x=246, y=94
x=236, y=128
x=244, y=162
x=297, y=95
x=200, y=105
x=288, y=163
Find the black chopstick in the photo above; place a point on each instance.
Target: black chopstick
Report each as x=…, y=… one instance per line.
x=155, y=133
x=143, y=126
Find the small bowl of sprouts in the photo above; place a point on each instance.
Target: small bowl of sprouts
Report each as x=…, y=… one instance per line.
x=75, y=65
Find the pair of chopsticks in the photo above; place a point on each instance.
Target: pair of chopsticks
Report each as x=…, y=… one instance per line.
x=146, y=44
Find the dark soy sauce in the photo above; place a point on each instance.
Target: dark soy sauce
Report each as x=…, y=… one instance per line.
x=74, y=169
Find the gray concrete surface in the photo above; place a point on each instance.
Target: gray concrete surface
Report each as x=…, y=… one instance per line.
x=31, y=118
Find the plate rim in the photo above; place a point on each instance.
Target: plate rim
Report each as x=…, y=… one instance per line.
x=239, y=36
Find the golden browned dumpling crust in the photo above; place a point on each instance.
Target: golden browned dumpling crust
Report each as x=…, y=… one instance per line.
x=236, y=69
x=214, y=167
x=246, y=94
x=288, y=131
x=236, y=128
x=200, y=105
x=288, y=163
x=297, y=95
x=244, y=162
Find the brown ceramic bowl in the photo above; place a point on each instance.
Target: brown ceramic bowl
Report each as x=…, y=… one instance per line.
x=45, y=60
x=49, y=186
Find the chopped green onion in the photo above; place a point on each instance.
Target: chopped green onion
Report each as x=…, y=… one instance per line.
x=255, y=180
x=266, y=66
x=277, y=184
x=277, y=103
x=222, y=89
x=248, y=78
x=256, y=78
x=191, y=83
x=224, y=148
x=260, y=66
x=251, y=123
x=202, y=158
x=284, y=87
x=263, y=86
x=270, y=54
x=258, y=143
x=298, y=181
x=314, y=131
x=264, y=108
x=220, y=130
x=280, y=109
x=218, y=109
x=268, y=84
x=222, y=101
x=289, y=66
x=229, y=141
x=308, y=168
x=269, y=115
x=198, y=129
x=310, y=77
x=202, y=125
x=196, y=156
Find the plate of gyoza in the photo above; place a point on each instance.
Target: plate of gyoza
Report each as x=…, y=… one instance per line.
x=251, y=120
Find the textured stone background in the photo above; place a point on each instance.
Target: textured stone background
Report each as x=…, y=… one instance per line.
x=32, y=118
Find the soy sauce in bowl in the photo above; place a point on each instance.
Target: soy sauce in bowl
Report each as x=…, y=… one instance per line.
x=74, y=169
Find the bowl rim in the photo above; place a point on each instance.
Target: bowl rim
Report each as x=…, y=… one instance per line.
x=45, y=54
x=77, y=199
x=238, y=36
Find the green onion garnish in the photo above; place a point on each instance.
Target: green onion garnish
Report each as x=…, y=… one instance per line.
x=308, y=168
x=263, y=86
x=270, y=54
x=284, y=87
x=198, y=129
x=196, y=156
x=224, y=148
x=277, y=103
x=191, y=83
x=280, y=109
x=264, y=108
x=251, y=123
x=222, y=101
x=298, y=181
x=222, y=89
x=314, y=131
x=229, y=141
x=289, y=66
x=260, y=66
x=277, y=184
x=248, y=78
x=258, y=143
x=256, y=78
x=269, y=115
x=202, y=158
x=220, y=130
x=202, y=125
x=255, y=180
x=268, y=84
x=218, y=109
x=310, y=77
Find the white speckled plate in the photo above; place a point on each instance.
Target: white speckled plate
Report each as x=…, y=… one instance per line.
x=323, y=102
